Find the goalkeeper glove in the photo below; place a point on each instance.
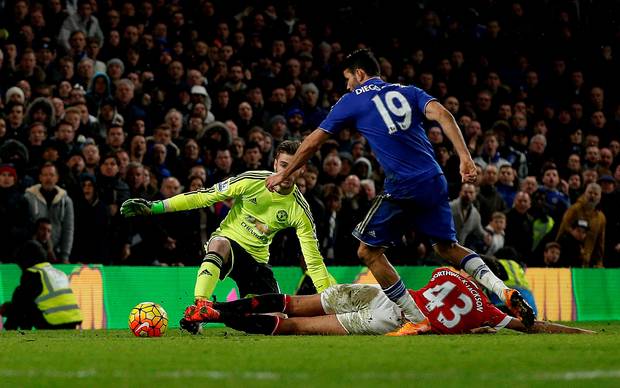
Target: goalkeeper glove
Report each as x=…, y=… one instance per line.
x=141, y=207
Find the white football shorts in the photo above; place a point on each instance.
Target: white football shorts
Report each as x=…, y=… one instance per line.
x=362, y=308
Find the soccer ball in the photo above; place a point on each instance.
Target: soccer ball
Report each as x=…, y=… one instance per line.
x=148, y=319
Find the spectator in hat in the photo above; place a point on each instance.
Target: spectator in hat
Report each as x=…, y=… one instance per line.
x=108, y=117
x=14, y=213
x=98, y=92
x=277, y=128
x=551, y=256
x=608, y=184
x=16, y=153
x=295, y=120
x=572, y=244
x=115, y=68
x=14, y=95
x=49, y=200
x=586, y=210
x=41, y=110
x=198, y=94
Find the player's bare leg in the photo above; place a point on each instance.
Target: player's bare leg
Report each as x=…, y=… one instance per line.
x=325, y=325
x=392, y=285
x=469, y=261
x=546, y=327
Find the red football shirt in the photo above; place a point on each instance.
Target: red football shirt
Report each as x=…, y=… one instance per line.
x=454, y=304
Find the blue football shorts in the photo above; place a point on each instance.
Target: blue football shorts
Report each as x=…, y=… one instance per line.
x=426, y=210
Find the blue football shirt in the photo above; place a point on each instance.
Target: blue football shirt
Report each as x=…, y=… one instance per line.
x=390, y=116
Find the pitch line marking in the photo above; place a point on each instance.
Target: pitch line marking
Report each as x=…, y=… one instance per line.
x=274, y=376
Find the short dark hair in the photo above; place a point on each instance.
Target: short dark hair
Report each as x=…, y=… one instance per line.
x=288, y=147
x=42, y=220
x=362, y=59
x=48, y=165
x=251, y=144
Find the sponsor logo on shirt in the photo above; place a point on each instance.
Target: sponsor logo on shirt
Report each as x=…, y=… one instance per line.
x=281, y=216
x=260, y=229
x=222, y=186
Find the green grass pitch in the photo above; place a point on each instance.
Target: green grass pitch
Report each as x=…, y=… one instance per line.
x=225, y=358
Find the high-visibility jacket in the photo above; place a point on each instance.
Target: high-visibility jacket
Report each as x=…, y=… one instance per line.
x=57, y=301
x=516, y=274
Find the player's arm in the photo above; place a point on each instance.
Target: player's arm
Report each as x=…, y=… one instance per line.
x=310, y=248
x=436, y=112
x=308, y=147
x=221, y=191
x=545, y=327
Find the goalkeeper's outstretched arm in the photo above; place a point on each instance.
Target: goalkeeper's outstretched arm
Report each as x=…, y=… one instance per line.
x=229, y=188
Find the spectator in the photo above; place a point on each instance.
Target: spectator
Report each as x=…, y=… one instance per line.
x=536, y=154
x=330, y=239
x=48, y=200
x=496, y=231
x=489, y=199
x=544, y=227
x=610, y=207
x=490, y=154
x=83, y=21
x=91, y=224
x=572, y=244
x=252, y=157
x=466, y=217
x=368, y=185
x=14, y=212
x=586, y=209
x=506, y=186
x=551, y=256
x=556, y=200
x=519, y=225
x=156, y=59
x=43, y=299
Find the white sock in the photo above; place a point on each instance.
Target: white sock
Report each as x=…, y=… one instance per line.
x=398, y=294
x=410, y=309
x=481, y=272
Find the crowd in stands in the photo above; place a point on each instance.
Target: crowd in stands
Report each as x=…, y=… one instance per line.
x=106, y=100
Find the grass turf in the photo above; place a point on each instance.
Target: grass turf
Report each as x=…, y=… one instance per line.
x=225, y=358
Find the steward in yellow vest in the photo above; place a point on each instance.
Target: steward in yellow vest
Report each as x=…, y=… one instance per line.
x=43, y=299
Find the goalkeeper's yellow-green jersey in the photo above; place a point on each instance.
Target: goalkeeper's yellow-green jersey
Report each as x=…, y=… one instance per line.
x=257, y=215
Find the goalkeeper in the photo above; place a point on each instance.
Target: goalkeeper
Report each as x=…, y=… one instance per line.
x=239, y=248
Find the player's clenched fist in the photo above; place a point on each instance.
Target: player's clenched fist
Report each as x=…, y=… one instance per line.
x=136, y=207
x=468, y=170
